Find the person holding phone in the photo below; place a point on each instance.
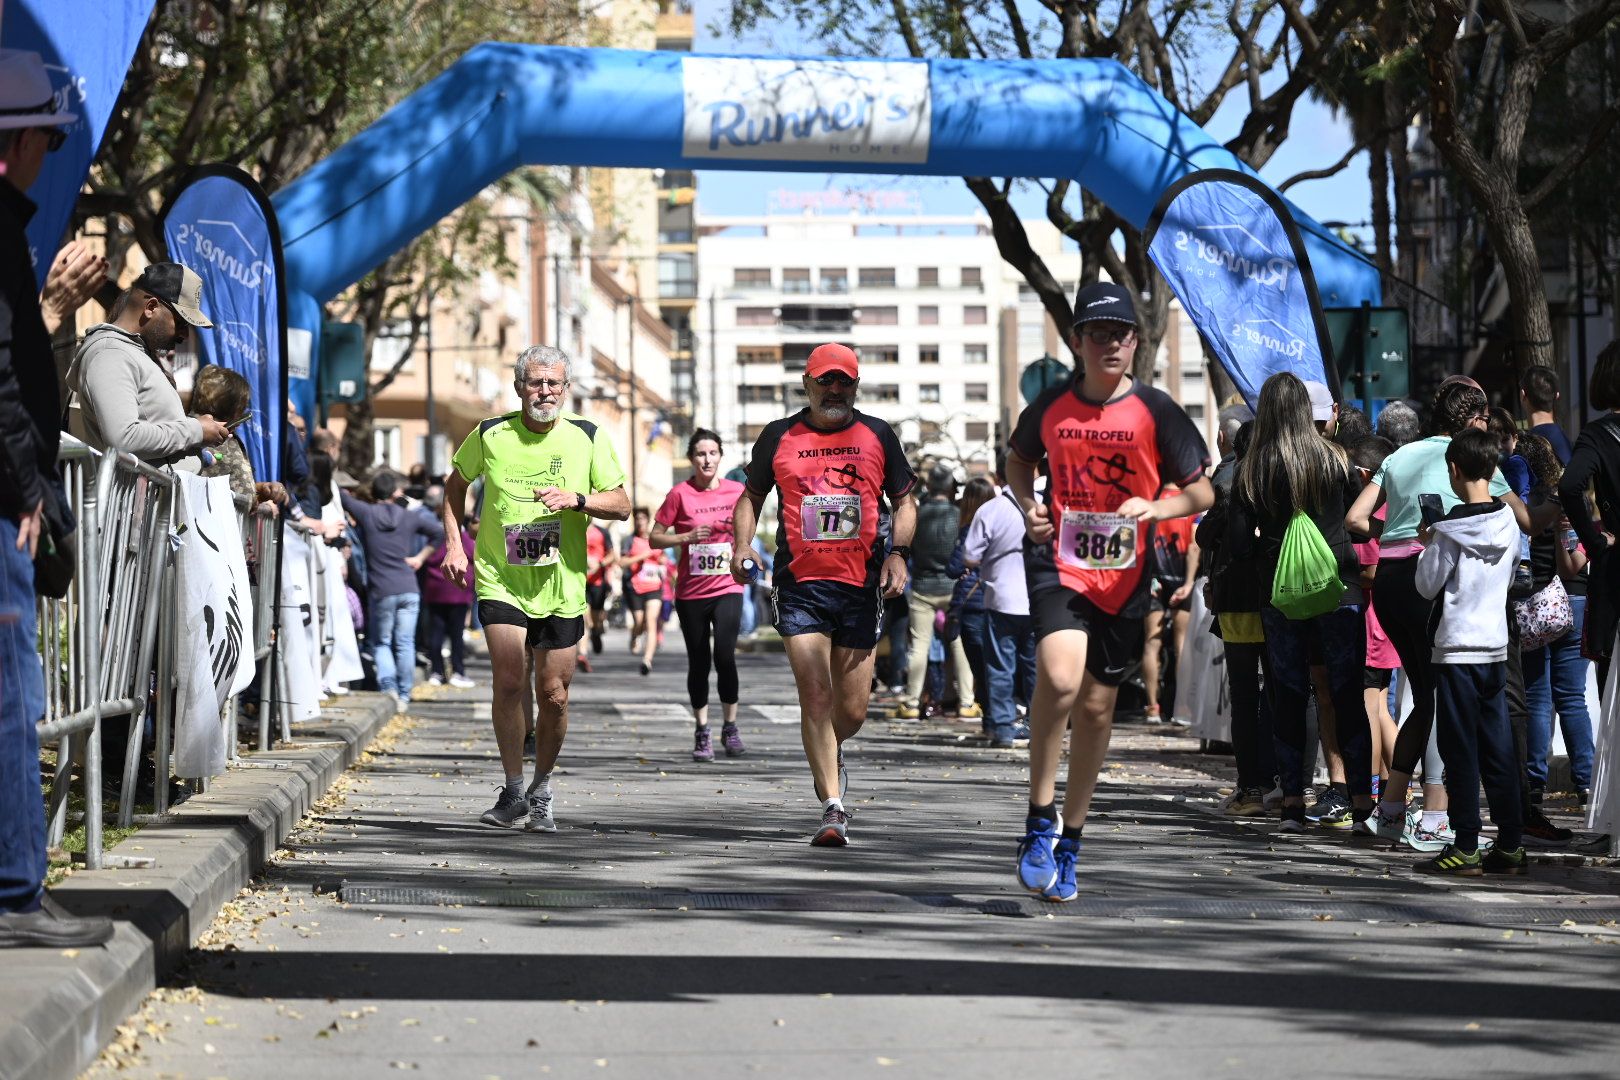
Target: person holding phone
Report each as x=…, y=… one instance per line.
x=224, y=395
x=1414, y=485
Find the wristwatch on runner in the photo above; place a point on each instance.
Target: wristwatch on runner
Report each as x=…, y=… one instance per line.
x=579, y=501
x=902, y=550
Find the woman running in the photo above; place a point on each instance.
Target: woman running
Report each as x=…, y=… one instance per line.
x=696, y=516
x=645, y=566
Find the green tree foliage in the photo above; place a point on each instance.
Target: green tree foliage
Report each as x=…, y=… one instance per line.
x=1268, y=54
x=274, y=86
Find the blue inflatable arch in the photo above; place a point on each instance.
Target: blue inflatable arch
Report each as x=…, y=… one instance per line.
x=502, y=106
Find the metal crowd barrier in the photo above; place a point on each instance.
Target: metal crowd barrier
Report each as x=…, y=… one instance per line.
x=110, y=648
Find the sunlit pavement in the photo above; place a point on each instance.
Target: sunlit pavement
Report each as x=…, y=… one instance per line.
x=679, y=924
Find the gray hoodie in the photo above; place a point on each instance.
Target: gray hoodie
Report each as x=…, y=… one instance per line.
x=1469, y=564
x=128, y=401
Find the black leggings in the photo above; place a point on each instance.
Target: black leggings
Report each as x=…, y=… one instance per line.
x=724, y=614
x=445, y=622
x=1407, y=617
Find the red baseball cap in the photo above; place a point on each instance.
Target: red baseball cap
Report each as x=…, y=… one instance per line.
x=833, y=357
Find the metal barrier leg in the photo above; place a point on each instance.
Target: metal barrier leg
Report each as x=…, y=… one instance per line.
x=132, y=764
x=92, y=796
x=163, y=750
x=57, y=802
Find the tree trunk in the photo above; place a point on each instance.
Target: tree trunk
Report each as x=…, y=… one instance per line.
x=355, y=454
x=1514, y=243
x=1378, y=177
x=1400, y=168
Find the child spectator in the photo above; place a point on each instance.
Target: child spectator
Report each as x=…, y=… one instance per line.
x=1382, y=659
x=1468, y=563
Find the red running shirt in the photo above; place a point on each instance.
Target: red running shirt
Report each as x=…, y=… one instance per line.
x=596, y=551
x=1100, y=456
x=647, y=577
x=836, y=488
x=705, y=567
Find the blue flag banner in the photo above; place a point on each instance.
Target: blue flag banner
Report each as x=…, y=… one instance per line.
x=87, y=46
x=1234, y=258
x=221, y=225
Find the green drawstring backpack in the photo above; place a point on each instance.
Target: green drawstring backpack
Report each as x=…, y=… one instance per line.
x=1307, y=582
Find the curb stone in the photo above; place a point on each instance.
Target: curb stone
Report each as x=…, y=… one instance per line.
x=58, y=1011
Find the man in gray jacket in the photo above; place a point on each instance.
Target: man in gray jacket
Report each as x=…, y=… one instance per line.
x=121, y=373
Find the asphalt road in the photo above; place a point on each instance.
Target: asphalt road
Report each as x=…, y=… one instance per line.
x=680, y=925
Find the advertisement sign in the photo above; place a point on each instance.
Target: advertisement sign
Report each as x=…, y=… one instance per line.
x=87, y=49
x=221, y=225
x=806, y=110
x=1234, y=258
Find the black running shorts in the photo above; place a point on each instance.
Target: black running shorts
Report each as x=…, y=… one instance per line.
x=547, y=632
x=1113, y=642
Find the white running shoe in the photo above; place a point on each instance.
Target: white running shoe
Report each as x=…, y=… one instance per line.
x=540, y=819
x=1380, y=823
x=461, y=682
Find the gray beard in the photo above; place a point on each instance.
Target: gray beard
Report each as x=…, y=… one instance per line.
x=543, y=414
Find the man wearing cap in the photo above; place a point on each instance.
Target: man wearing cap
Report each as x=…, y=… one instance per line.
x=123, y=379
x=32, y=506
x=1112, y=446
x=845, y=526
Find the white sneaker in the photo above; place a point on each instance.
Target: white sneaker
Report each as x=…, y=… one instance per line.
x=434, y=680
x=539, y=797
x=1273, y=798
x=461, y=682
x=1381, y=824
x=402, y=702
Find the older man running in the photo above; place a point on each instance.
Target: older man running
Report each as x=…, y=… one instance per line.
x=546, y=473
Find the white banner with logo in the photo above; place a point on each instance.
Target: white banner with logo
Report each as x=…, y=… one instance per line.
x=343, y=661
x=215, y=609
x=806, y=110
x=300, y=629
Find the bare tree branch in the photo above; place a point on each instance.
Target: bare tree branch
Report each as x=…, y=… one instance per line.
x=1338, y=166
x=1574, y=159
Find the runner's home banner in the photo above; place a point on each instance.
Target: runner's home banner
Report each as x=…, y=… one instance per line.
x=86, y=46
x=215, y=607
x=221, y=225
x=1234, y=258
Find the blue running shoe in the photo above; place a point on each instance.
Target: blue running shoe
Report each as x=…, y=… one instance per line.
x=1036, y=868
x=1063, y=888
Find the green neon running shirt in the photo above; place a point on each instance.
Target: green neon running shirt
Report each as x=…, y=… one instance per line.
x=528, y=556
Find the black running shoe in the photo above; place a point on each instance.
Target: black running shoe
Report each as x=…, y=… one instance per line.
x=509, y=809
x=1543, y=834
x=1497, y=861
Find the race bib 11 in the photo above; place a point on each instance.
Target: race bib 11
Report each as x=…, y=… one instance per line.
x=710, y=560
x=1097, y=541
x=830, y=517
x=536, y=543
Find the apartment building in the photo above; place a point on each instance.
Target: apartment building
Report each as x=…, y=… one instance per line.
x=943, y=326
x=917, y=296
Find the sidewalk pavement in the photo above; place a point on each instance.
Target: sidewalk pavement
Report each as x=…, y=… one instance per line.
x=680, y=925
x=58, y=1008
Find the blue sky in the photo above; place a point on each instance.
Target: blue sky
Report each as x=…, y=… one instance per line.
x=1317, y=139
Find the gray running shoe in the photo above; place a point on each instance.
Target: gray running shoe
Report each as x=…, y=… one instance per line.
x=834, y=829
x=540, y=819
x=509, y=809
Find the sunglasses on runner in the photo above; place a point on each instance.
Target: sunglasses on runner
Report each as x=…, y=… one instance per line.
x=834, y=378
x=1123, y=335
x=54, y=138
